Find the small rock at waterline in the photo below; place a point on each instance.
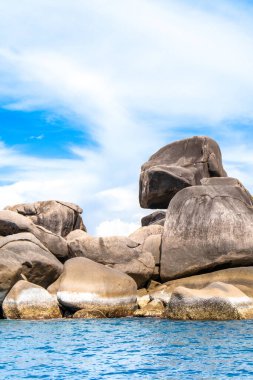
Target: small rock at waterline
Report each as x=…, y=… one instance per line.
x=29, y=301
x=217, y=301
x=154, y=308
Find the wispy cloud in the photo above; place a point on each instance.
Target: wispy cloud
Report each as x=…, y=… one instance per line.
x=136, y=74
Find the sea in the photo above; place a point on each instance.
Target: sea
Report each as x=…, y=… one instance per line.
x=127, y=348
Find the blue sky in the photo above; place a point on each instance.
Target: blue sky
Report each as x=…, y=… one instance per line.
x=89, y=90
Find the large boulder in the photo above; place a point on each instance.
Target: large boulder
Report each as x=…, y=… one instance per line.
x=217, y=301
x=207, y=228
x=13, y=223
x=90, y=286
x=118, y=252
x=241, y=277
x=58, y=217
x=29, y=301
x=24, y=254
x=176, y=166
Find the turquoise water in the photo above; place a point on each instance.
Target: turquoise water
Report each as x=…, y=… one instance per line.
x=126, y=349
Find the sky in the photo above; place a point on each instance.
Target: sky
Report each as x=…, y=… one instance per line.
x=89, y=90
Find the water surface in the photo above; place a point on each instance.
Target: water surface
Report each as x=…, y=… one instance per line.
x=127, y=348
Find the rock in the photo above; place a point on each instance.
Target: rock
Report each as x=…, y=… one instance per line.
x=157, y=217
x=89, y=314
x=13, y=223
x=23, y=253
x=56, y=216
x=140, y=235
x=141, y=292
x=217, y=301
x=118, y=252
x=150, y=238
x=161, y=293
x=241, y=277
x=153, y=244
x=104, y=312
x=29, y=301
x=10, y=273
x=153, y=285
x=76, y=234
x=87, y=285
x=207, y=228
x=227, y=181
x=143, y=301
x=153, y=309
x=176, y=166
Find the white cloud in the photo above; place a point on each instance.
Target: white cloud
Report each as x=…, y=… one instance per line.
x=130, y=71
x=116, y=227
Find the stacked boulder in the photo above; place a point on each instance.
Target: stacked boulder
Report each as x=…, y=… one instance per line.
x=208, y=232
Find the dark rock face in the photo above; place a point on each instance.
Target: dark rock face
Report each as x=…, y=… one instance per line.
x=207, y=228
x=58, y=217
x=24, y=254
x=157, y=217
x=176, y=166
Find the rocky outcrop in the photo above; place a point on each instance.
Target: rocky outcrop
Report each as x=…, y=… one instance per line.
x=24, y=253
x=157, y=217
x=29, y=301
x=176, y=166
x=87, y=285
x=217, y=301
x=118, y=252
x=207, y=228
x=12, y=223
x=58, y=217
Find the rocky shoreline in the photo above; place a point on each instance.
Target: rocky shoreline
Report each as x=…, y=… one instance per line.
x=193, y=261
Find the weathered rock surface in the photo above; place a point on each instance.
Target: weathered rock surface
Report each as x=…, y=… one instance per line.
x=150, y=238
x=56, y=216
x=207, y=228
x=89, y=314
x=154, y=308
x=118, y=252
x=176, y=166
x=143, y=300
x=217, y=301
x=104, y=312
x=29, y=301
x=157, y=217
x=24, y=253
x=87, y=285
x=10, y=273
x=13, y=223
x=140, y=235
x=227, y=181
